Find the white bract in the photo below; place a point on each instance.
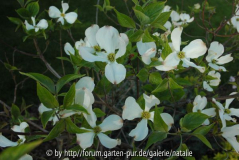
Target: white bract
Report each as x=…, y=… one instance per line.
x=215, y=58
x=42, y=109
x=56, y=13
x=226, y=113
x=26, y=157
x=42, y=24
x=147, y=51
x=235, y=19
x=106, y=45
x=111, y=123
x=174, y=17
x=168, y=25
x=232, y=79
x=215, y=82
x=185, y=19
x=4, y=142
x=230, y=133
x=198, y=106
x=197, y=6
x=166, y=8
x=70, y=50
x=194, y=49
x=83, y=97
x=132, y=110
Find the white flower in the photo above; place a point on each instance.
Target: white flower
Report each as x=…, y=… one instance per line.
x=235, y=19
x=225, y=113
x=230, y=133
x=79, y=44
x=4, y=142
x=111, y=123
x=166, y=8
x=194, y=49
x=56, y=13
x=108, y=39
x=69, y=49
x=132, y=110
x=42, y=24
x=164, y=67
x=207, y=84
x=214, y=52
x=198, y=106
x=147, y=51
x=42, y=109
x=197, y=6
x=168, y=25
x=185, y=18
x=174, y=17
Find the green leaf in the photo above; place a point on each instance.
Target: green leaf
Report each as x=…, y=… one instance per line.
x=159, y=124
x=209, y=78
x=21, y=2
x=99, y=7
x=154, y=63
x=72, y=128
x=44, y=80
x=136, y=2
x=124, y=20
x=173, y=84
x=15, y=20
x=203, y=130
x=70, y=96
x=46, y=97
x=161, y=19
x=135, y=37
x=154, y=9
x=58, y=129
x=166, y=51
x=204, y=140
x=77, y=108
x=99, y=112
x=155, y=78
x=33, y=8
x=46, y=116
x=143, y=75
x=162, y=86
x=192, y=120
x=141, y=16
x=22, y=12
x=10, y=67
x=15, y=111
x=155, y=137
x=103, y=87
x=64, y=80
x=15, y=153
x=147, y=37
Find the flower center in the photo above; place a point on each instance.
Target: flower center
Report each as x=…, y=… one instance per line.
x=97, y=48
x=62, y=14
x=227, y=111
x=214, y=61
x=181, y=55
x=145, y=115
x=97, y=129
x=199, y=111
x=111, y=57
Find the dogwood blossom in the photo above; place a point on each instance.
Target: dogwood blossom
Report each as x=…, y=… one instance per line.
x=194, y=49
x=108, y=39
x=230, y=133
x=132, y=110
x=42, y=24
x=234, y=19
x=198, y=106
x=147, y=51
x=197, y=6
x=185, y=19
x=225, y=113
x=56, y=13
x=215, y=82
x=42, y=109
x=4, y=142
x=70, y=50
x=111, y=123
x=83, y=97
x=214, y=52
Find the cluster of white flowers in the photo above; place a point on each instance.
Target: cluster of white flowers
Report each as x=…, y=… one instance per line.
x=176, y=18
x=226, y=113
x=53, y=13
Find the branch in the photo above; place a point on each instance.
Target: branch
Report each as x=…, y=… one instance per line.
x=225, y=97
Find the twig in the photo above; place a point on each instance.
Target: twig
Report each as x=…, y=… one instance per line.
x=62, y=63
x=22, y=133
x=97, y=12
